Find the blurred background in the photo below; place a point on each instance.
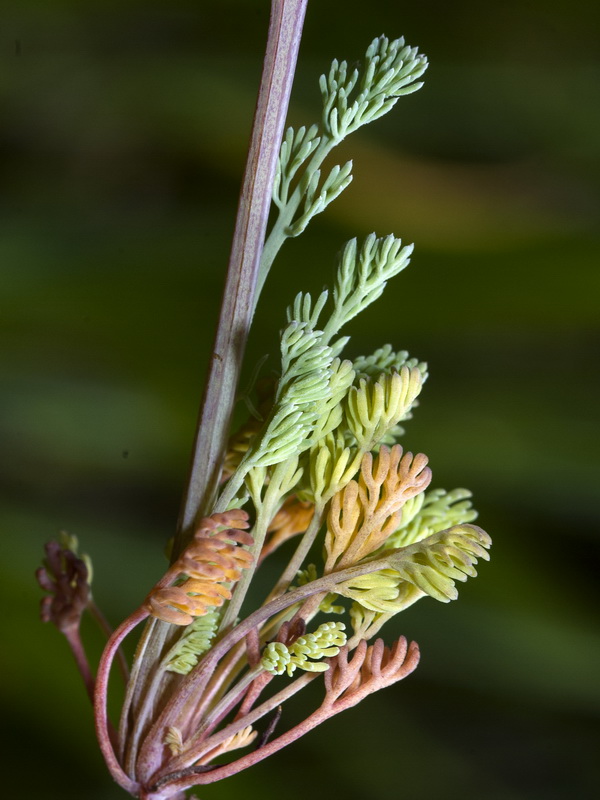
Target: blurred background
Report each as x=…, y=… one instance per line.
x=123, y=139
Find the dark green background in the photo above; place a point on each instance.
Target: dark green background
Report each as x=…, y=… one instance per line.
x=123, y=137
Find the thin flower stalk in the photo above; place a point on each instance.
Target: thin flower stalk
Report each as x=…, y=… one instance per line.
x=240, y=292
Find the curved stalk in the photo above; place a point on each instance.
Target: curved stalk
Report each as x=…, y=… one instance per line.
x=138, y=660
x=101, y=697
x=107, y=630
x=73, y=638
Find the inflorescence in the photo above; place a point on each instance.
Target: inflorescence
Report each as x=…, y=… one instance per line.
x=318, y=461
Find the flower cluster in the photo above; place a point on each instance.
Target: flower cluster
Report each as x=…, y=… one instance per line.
x=318, y=462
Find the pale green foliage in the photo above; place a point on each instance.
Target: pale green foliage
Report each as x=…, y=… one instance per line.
x=329, y=606
x=194, y=642
x=433, y=564
x=390, y=69
x=325, y=642
x=296, y=147
x=410, y=511
x=332, y=465
x=331, y=410
x=429, y=567
x=383, y=591
x=366, y=622
x=276, y=659
x=267, y=485
x=305, y=360
x=330, y=417
x=303, y=391
x=385, y=359
x=303, y=309
x=371, y=412
x=433, y=511
x=373, y=408
x=316, y=198
x=315, y=390
x=313, y=385
x=362, y=275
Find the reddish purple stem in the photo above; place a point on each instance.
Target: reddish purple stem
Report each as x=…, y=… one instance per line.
x=73, y=637
x=101, y=697
x=237, y=309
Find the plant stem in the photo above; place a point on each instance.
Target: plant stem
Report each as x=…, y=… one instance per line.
x=300, y=554
x=101, y=699
x=105, y=627
x=73, y=638
x=287, y=18
x=126, y=741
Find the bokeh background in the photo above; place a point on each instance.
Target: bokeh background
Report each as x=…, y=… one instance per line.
x=123, y=139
